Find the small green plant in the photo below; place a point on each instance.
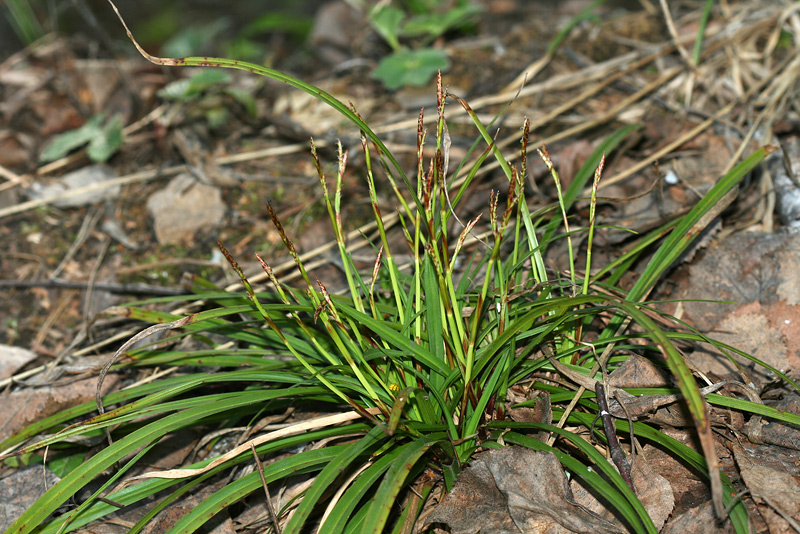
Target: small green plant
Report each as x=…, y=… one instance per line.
x=246, y=45
x=215, y=37
x=421, y=22
x=103, y=137
x=411, y=366
x=213, y=90
x=195, y=37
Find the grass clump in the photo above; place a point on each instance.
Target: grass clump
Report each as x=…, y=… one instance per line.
x=409, y=370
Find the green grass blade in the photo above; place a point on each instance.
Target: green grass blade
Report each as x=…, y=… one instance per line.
x=48, y=424
x=435, y=324
x=691, y=393
x=405, y=458
x=359, y=490
x=150, y=487
x=585, y=14
x=754, y=408
x=396, y=339
x=691, y=225
x=329, y=474
x=585, y=172
x=241, y=488
x=108, y=456
x=701, y=30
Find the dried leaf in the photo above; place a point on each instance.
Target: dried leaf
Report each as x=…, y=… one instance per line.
x=778, y=490
x=653, y=490
x=515, y=490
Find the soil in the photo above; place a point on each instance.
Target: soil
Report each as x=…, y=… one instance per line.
x=63, y=263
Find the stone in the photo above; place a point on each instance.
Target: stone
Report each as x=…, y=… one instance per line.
x=61, y=194
x=183, y=208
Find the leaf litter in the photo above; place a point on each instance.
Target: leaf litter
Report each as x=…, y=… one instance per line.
x=601, y=76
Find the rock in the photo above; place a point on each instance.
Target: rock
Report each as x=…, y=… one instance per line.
x=20, y=490
x=787, y=192
x=336, y=26
x=184, y=208
x=13, y=358
x=62, y=192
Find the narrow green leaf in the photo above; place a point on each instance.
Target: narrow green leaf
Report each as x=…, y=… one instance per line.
x=688, y=228
x=358, y=491
x=754, y=408
x=151, y=487
x=241, y=488
x=586, y=14
x=701, y=29
x=108, y=456
x=395, y=479
x=397, y=340
x=433, y=311
x=691, y=393
x=586, y=171
x=329, y=474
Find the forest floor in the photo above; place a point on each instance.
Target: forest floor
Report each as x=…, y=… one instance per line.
x=194, y=168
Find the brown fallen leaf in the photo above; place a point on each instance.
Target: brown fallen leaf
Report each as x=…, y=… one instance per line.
x=515, y=490
x=687, y=487
x=757, y=273
x=639, y=372
x=474, y=504
x=653, y=490
x=777, y=491
x=698, y=520
x=29, y=404
x=542, y=412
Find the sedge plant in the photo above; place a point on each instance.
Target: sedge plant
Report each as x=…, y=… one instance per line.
x=407, y=372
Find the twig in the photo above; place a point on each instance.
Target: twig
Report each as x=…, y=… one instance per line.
x=13, y=178
x=93, y=275
x=617, y=454
x=87, y=227
x=674, y=33
x=599, y=362
x=622, y=405
x=270, y=509
x=779, y=510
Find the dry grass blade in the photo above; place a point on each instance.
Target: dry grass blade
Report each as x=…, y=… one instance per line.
x=147, y=332
x=143, y=176
x=674, y=33
x=293, y=430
